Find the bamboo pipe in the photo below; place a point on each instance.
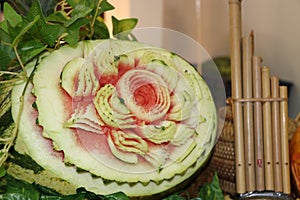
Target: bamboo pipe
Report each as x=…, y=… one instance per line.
x=267, y=127
x=236, y=85
x=276, y=134
x=247, y=49
x=285, y=140
x=258, y=126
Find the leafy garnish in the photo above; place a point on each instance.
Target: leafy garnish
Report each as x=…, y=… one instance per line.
x=2, y=171
x=122, y=28
x=211, y=190
x=18, y=189
x=207, y=191
x=174, y=197
x=30, y=24
x=22, y=6
x=33, y=27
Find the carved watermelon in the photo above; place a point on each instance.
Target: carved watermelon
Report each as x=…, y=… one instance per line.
x=132, y=117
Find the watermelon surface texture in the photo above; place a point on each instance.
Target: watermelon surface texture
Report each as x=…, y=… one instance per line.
x=112, y=115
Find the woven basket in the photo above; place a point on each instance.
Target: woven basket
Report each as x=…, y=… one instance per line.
x=223, y=157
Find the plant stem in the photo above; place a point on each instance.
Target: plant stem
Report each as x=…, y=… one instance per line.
x=9, y=142
x=10, y=73
x=95, y=17
x=20, y=61
x=11, y=81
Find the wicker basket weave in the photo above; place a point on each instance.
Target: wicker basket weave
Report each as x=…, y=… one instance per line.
x=223, y=157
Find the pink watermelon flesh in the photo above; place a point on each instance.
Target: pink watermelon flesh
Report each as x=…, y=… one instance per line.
x=126, y=124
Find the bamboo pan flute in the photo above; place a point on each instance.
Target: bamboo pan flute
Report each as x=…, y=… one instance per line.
x=236, y=82
x=260, y=114
x=258, y=138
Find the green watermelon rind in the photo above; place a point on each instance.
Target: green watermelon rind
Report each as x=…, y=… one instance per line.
x=48, y=75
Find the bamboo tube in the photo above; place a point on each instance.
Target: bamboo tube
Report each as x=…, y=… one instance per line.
x=247, y=49
x=267, y=127
x=276, y=135
x=285, y=141
x=236, y=85
x=258, y=126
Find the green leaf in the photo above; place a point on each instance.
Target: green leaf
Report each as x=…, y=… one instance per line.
x=80, y=11
x=2, y=171
x=73, y=31
x=35, y=10
x=21, y=190
x=105, y=6
x=116, y=196
x=101, y=30
x=59, y=17
x=68, y=197
x=15, y=196
x=3, y=26
x=24, y=30
x=80, y=195
x=211, y=190
x=30, y=49
x=122, y=28
x=17, y=189
x=46, y=191
x=174, y=197
x=12, y=31
x=48, y=33
x=91, y=3
x=11, y=18
x=11, y=15
x=73, y=3
x=7, y=54
x=48, y=6
x=5, y=37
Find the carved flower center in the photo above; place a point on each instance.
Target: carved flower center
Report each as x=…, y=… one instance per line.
x=145, y=96
x=145, y=93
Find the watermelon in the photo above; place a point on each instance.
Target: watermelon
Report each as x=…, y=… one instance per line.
x=112, y=115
